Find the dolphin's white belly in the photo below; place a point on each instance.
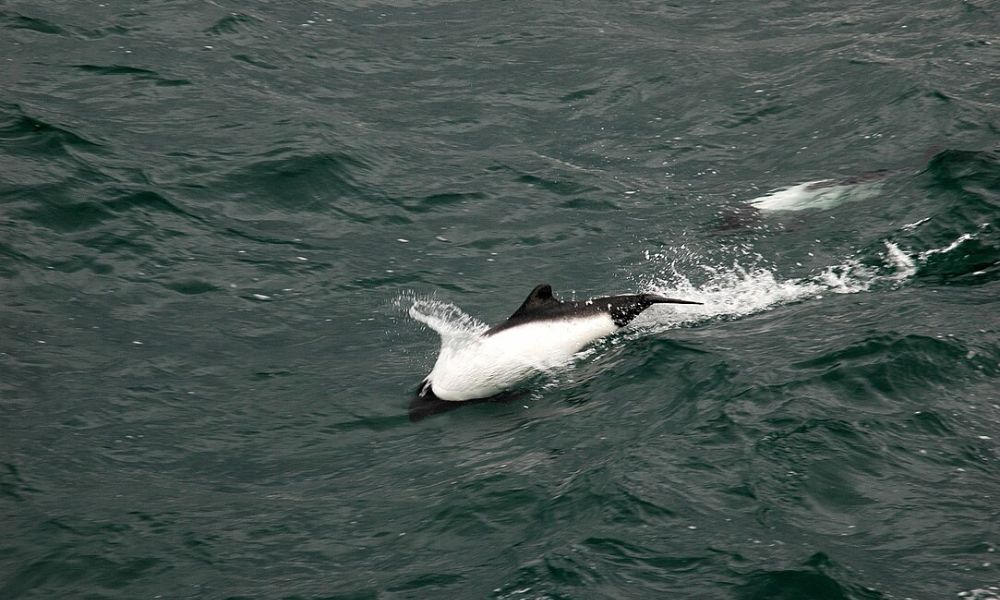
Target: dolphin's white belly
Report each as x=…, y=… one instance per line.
x=823, y=194
x=491, y=364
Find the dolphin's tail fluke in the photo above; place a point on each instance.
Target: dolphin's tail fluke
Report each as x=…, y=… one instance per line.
x=657, y=299
x=625, y=308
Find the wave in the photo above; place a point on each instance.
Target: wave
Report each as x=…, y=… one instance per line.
x=135, y=73
x=37, y=25
x=26, y=132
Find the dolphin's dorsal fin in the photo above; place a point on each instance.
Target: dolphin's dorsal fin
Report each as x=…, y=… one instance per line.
x=540, y=297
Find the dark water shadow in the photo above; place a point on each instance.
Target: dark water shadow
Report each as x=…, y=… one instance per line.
x=423, y=407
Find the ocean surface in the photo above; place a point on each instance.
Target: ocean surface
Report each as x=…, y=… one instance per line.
x=226, y=226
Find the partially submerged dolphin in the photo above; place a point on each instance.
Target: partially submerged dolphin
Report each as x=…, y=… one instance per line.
x=822, y=194
x=542, y=334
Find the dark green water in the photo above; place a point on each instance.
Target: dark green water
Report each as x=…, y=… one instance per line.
x=216, y=215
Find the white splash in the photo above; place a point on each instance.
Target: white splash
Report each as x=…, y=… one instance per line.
x=990, y=593
x=448, y=320
x=913, y=226
x=965, y=237
x=732, y=292
x=740, y=291
x=904, y=264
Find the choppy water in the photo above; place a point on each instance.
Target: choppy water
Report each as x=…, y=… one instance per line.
x=217, y=216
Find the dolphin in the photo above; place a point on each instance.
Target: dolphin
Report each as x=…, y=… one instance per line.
x=542, y=334
x=824, y=193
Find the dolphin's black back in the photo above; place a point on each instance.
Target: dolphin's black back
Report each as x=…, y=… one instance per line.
x=541, y=305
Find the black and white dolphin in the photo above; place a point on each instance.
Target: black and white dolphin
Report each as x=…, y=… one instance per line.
x=542, y=334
